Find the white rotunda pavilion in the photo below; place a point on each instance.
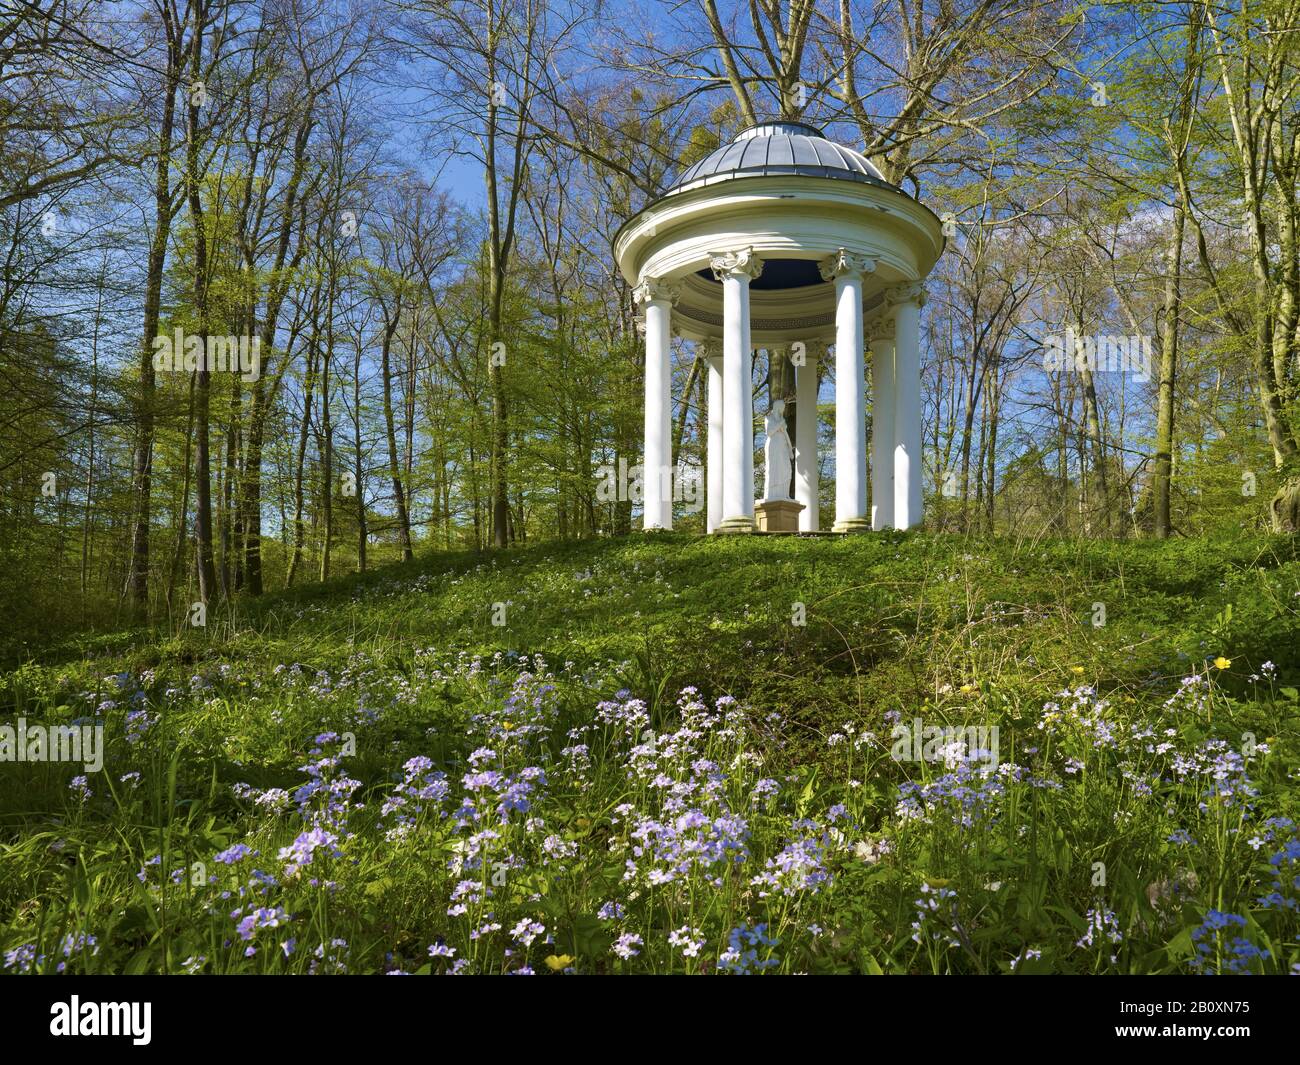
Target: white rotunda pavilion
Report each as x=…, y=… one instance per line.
x=785, y=241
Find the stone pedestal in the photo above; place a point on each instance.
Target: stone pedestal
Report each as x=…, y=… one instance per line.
x=777, y=515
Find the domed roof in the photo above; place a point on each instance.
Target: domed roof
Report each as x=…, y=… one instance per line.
x=776, y=148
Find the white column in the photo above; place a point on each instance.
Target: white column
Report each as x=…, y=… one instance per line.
x=850, y=391
x=657, y=460
x=714, y=476
x=805, y=445
x=735, y=270
x=908, y=506
x=882, y=422
x=777, y=354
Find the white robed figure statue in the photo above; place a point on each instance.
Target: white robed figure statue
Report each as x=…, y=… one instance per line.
x=778, y=454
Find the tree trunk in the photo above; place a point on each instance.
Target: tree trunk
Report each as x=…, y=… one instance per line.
x=142, y=463
x=299, y=476
x=1163, y=472
x=399, y=495
x=266, y=386
x=327, y=431
x=208, y=590
x=358, y=472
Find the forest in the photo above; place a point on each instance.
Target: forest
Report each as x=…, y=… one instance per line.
x=404, y=209
x=316, y=370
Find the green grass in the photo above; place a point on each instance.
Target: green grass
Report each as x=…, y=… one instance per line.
x=821, y=642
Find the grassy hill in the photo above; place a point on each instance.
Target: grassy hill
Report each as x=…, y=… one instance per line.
x=690, y=765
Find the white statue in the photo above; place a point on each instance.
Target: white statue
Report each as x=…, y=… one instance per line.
x=778, y=454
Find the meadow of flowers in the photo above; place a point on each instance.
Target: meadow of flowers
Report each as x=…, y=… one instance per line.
x=430, y=811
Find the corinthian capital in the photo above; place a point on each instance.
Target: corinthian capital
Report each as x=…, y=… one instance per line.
x=741, y=263
x=879, y=327
x=911, y=292
x=842, y=263
x=656, y=288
